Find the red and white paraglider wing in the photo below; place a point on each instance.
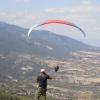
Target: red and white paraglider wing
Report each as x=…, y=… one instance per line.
x=57, y=22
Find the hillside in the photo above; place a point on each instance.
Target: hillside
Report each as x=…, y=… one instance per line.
x=22, y=57
x=42, y=43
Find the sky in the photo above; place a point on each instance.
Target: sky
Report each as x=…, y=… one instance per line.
x=83, y=13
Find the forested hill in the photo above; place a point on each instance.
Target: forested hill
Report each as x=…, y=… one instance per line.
x=22, y=57
x=42, y=43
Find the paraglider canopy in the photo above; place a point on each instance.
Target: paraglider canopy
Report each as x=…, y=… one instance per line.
x=55, y=21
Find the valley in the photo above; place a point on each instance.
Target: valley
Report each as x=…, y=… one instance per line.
x=22, y=57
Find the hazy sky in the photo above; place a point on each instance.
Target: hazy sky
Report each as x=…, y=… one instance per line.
x=83, y=13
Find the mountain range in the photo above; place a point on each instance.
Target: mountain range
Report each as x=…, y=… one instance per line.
x=22, y=57
x=42, y=43
x=14, y=41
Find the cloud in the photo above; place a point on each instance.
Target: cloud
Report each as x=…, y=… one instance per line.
x=81, y=9
x=20, y=0
x=86, y=15
x=97, y=28
x=20, y=18
x=86, y=2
